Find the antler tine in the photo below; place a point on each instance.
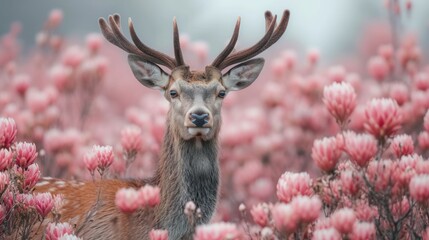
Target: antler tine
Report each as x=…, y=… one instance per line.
x=268, y=19
x=228, y=49
x=280, y=29
x=176, y=42
x=249, y=52
x=159, y=57
x=108, y=34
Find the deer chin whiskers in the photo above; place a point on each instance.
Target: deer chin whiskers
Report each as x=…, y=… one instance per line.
x=198, y=131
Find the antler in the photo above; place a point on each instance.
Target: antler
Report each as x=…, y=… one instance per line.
x=271, y=36
x=112, y=32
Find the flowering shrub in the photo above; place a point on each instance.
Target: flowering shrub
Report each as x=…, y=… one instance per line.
x=354, y=144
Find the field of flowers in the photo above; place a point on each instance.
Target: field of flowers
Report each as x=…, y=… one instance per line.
x=335, y=152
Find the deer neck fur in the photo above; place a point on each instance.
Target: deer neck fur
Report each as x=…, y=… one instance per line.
x=188, y=171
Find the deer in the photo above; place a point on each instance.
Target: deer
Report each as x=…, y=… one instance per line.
x=188, y=168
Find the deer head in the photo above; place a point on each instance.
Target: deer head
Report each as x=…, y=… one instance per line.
x=195, y=96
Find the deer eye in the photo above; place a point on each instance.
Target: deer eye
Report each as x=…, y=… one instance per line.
x=173, y=93
x=221, y=94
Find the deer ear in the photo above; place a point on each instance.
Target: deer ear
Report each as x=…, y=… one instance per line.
x=242, y=75
x=147, y=73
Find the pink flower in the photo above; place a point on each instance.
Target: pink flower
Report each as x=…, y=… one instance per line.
x=94, y=42
x=2, y=213
x=25, y=154
x=37, y=101
x=31, y=176
x=91, y=161
x=73, y=56
x=340, y=99
x=419, y=188
x=131, y=139
x=260, y=214
x=307, y=208
x=343, y=220
x=364, y=212
x=60, y=75
x=200, y=49
x=421, y=81
x=326, y=153
x=44, y=203
x=400, y=93
x=149, y=196
x=56, y=230
x=363, y=231
x=378, y=68
x=55, y=18
x=21, y=83
x=360, y=147
x=6, y=158
x=158, y=234
x=313, y=56
x=289, y=59
x=426, y=121
x=380, y=173
x=402, y=145
x=337, y=73
x=293, y=184
x=285, y=217
x=217, y=231
x=383, y=118
x=4, y=181
x=69, y=237
x=127, y=200
x=326, y=234
x=104, y=156
x=423, y=139
x=350, y=182
x=7, y=132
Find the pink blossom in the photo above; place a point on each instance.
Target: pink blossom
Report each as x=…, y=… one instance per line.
x=68, y=236
x=337, y=73
x=44, y=203
x=6, y=158
x=260, y=213
x=200, y=49
x=131, y=139
x=326, y=153
x=422, y=167
x=149, y=196
x=37, y=101
x=386, y=51
x=4, y=181
x=351, y=182
x=94, y=42
x=56, y=230
x=426, y=121
x=104, y=156
x=378, y=68
x=7, y=132
x=91, y=162
x=26, y=201
x=289, y=59
x=364, y=212
x=400, y=93
x=423, y=140
x=60, y=75
x=419, y=188
x=363, y=231
x=55, y=18
x=307, y=208
x=402, y=145
x=21, y=83
x=3, y=213
x=380, y=173
x=25, y=154
x=421, y=81
x=340, y=99
x=158, y=234
x=313, y=56
x=127, y=200
x=31, y=176
x=73, y=56
x=294, y=184
x=217, y=231
x=343, y=220
x=326, y=234
x=285, y=217
x=262, y=188
x=383, y=118
x=360, y=147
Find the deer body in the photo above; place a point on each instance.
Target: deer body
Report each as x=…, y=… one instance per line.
x=188, y=169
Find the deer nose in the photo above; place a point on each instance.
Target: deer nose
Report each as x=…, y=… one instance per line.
x=199, y=118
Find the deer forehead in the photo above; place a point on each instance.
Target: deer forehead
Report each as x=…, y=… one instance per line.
x=195, y=89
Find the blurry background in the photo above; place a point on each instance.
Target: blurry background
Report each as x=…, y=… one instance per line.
x=333, y=26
